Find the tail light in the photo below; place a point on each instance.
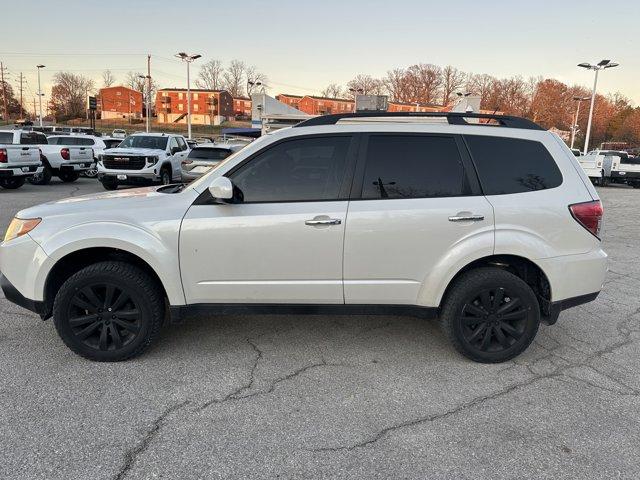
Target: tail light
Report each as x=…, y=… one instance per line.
x=65, y=154
x=589, y=215
x=3, y=155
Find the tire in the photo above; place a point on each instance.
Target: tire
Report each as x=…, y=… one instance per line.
x=43, y=178
x=90, y=173
x=69, y=177
x=109, y=184
x=470, y=320
x=12, y=183
x=83, y=304
x=165, y=176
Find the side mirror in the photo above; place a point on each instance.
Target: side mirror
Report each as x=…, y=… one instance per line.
x=221, y=188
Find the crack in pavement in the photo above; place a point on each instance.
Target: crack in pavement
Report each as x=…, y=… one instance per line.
x=623, y=329
x=132, y=454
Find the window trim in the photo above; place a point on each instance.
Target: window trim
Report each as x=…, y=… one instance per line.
x=472, y=184
x=205, y=197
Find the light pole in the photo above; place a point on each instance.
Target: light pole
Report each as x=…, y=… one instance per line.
x=188, y=59
x=599, y=66
x=148, y=102
x=355, y=91
x=39, y=93
x=574, y=127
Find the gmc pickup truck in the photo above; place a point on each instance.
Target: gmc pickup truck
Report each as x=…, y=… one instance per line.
x=66, y=162
x=19, y=159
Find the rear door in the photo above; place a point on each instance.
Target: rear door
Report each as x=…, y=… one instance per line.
x=416, y=198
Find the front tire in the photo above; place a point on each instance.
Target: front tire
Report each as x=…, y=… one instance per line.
x=490, y=315
x=109, y=311
x=68, y=177
x=109, y=184
x=12, y=183
x=165, y=176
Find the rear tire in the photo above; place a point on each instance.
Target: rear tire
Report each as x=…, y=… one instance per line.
x=69, y=177
x=165, y=176
x=490, y=315
x=42, y=178
x=109, y=311
x=109, y=184
x=12, y=183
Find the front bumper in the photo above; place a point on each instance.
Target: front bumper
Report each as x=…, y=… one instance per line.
x=12, y=294
x=19, y=171
x=149, y=173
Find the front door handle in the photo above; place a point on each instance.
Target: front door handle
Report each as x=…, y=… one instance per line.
x=466, y=218
x=323, y=221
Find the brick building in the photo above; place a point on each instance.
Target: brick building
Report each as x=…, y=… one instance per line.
x=291, y=100
x=313, y=105
x=242, y=106
x=413, y=107
x=208, y=107
x=119, y=102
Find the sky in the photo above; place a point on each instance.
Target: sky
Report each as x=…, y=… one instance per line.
x=304, y=45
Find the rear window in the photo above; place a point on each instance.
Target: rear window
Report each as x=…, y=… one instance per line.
x=512, y=165
x=6, y=137
x=208, y=154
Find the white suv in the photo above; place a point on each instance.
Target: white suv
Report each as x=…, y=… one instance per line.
x=491, y=227
x=143, y=158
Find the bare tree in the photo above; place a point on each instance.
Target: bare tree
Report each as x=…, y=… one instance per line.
x=210, y=75
x=69, y=94
x=254, y=77
x=396, y=85
x=333, y=90
x=452, y=80
x=234, y=77
x=365, y=85
x=134, y=82
x=481, y=85
x=107, y=78
x=424, y=82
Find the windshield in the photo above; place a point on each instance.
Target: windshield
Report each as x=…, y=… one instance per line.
x=209, y=153
x=143, y=141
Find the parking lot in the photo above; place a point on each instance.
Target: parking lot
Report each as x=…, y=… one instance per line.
x=325, y=397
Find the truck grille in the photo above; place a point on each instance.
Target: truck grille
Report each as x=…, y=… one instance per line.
x=124, y=163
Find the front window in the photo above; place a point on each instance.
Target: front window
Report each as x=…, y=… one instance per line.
x=144, y=141
x=214, y=154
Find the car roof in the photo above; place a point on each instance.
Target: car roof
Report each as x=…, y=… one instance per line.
x=213, y=146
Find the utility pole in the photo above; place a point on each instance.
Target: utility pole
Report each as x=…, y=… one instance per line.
x=34, y=107
x=4, y=92
x=21, y=105
x=148, y=93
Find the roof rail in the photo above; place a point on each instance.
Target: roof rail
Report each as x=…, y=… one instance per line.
x=454, y=118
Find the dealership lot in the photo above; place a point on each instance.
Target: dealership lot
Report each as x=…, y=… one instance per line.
x=318, y=397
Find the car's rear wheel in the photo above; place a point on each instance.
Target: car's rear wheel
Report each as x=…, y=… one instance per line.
x=109, y=311
x=42, y=178
x=12, y=183
x=109, y=183
x=490, y=315
x=69, y=177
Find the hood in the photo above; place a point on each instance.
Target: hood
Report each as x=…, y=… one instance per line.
x=138, y=152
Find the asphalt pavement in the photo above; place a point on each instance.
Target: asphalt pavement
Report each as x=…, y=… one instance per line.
x=330, y=396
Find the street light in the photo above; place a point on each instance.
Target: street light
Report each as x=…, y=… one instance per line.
x=148, y=102
x=252, y=83
x=603, y=64
x=574, y=127
x=360, y=91
x=188, y=59
x=39, y=93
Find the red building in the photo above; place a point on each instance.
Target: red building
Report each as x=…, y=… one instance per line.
x=322, y=105
x=208, y=107
x=119, y=102
x=242, y=106
x=414, y=107
x=291, y=100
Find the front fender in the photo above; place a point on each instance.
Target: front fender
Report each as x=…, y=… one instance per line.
x=145, y=244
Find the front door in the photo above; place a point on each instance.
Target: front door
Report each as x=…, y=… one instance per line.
x=283, y=243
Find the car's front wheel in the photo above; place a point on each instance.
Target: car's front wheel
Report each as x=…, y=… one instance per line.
x=490, y=315
x=69, y=177
x=109, y=311
x=109, y=183
x=165, y=176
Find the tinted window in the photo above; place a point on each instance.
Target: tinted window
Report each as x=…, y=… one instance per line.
x=143, y=141
x=512, y=165
x=29, y=139
x=181, y=143
x=297, y=170
x=112, y=143
x=403, y=166
x=209, y=153
x=84, y=141
x=62, y=141
x=6, y=137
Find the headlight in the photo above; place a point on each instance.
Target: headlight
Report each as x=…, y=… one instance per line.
x=152, y=160
x=20, y=226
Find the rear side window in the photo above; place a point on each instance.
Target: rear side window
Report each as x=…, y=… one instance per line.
x=28, y=139
x=208, y=153
x=84, y=141
x=6, y=137
x=413, y=166
x=512, y=165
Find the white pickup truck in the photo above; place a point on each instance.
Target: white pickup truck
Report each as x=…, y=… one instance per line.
x=66, y=162
x=19, y=158
x=627, y=169
x=592, y=164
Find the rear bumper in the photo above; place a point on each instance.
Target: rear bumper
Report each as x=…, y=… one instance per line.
x=622, y=175
x=76, y=167
x=18, y=172
x=14, y=296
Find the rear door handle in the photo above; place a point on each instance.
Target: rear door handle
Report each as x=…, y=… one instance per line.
x=323, y=221
x=466, y=218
